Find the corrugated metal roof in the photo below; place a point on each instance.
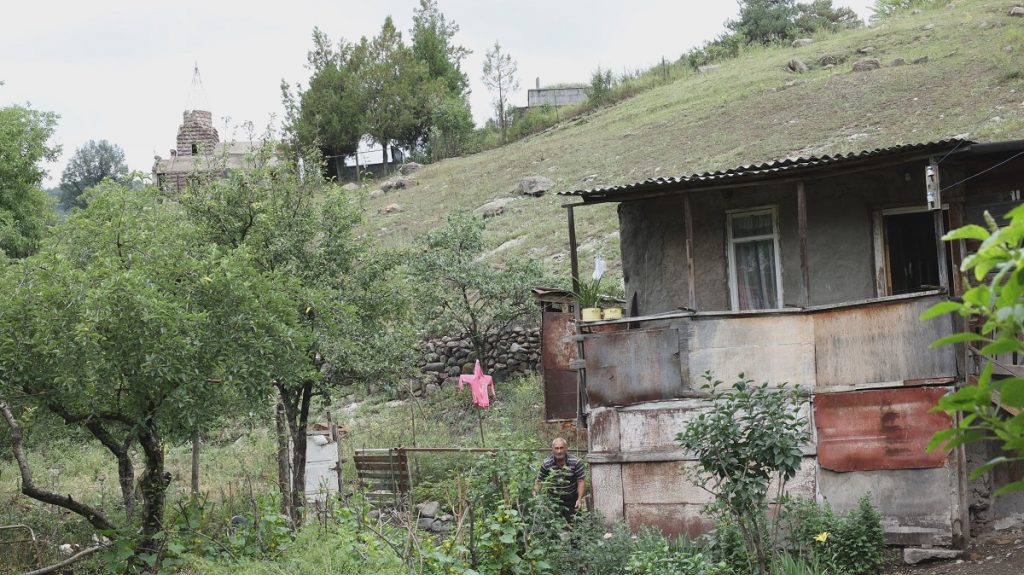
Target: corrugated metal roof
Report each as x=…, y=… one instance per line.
x=768, y=170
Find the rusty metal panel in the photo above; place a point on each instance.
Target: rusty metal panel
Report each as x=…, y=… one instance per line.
x=627, y=367
x=674, y=520
x=560, y=385
x=879, y=429
x=915, y=504
x=774, y=348
x=881, y=343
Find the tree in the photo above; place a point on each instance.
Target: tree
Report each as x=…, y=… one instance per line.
x=995, y=299
x=90, y=165
x=126, y=327
x=885, y=8
x=392, y=81
x=500, y=78
x=750, y=435
x=24, y=207
x=433, y=44
x=353, y=310
x=469, y=295
x=451, y=123
x=821, y=15
x=449, y=120
x=764, y=21
x=329, y=114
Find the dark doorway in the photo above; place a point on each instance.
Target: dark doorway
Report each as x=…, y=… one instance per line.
x=913, y=262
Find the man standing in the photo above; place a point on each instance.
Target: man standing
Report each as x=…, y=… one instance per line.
x=563, y=475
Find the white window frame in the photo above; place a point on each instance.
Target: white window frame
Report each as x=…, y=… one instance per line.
x=730, y=252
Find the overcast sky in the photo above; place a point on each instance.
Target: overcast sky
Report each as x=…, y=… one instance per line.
x=122, y=70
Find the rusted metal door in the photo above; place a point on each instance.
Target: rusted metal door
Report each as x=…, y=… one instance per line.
x=559, y=381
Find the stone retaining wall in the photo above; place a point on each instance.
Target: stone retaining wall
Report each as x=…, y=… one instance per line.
x=516, y=353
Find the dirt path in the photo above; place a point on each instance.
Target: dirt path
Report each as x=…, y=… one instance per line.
x=1000, y=553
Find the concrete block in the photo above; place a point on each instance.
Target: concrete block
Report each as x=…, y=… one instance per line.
x=915, y=555
x=915, y=504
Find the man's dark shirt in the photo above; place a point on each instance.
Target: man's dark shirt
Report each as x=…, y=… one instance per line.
x=562, y=482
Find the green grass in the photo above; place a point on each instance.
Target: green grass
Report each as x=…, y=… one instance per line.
x=749, y=110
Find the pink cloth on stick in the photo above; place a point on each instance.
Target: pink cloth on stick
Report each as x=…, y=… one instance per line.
x=478, y=384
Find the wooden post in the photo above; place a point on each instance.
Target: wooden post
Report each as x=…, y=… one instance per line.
x=336, y=438
x=691, y=271
x=801, y=216
x=574, y=261
x=480, y=420
x=195, y=463
x=957, y=219
x=581, y=374
x=940, y=249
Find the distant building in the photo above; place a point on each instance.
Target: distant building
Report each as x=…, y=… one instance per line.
x=555, y=97
x=199, y=151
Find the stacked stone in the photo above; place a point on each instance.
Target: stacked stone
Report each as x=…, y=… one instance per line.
x=197, y=128
x=515, y=353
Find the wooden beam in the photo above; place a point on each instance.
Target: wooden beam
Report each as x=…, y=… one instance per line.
x=574, y=261
x=691, y=272
x=957, y=219
x=940, y=249
x=581, y=374
x=801, y=216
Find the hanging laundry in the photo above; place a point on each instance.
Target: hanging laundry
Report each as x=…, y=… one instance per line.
x=478, y=385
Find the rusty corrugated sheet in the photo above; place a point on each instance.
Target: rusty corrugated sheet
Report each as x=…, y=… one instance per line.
x=628, y=367
x=879, y=429
x=560, y=387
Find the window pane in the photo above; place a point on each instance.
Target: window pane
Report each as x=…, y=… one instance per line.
x=755, y=274
x=744, y=226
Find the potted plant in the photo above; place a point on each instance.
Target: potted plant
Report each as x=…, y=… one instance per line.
x=589, y=296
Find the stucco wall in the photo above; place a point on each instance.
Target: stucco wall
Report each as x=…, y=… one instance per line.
x=839, y=229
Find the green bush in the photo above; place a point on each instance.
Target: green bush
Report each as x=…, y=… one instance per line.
x=849, y=544
x=752, y=434
x=656, y=555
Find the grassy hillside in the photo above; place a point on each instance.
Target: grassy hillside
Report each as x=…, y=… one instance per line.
x=748, y=110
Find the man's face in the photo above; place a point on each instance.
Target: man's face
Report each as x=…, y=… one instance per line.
x=559, y=449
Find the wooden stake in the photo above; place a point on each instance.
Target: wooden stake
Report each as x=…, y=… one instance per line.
x=336, y=438
x=195, y=463
x=480, y=420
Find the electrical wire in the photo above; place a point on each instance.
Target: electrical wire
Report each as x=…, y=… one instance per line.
x=986, y=170
x=960, y=143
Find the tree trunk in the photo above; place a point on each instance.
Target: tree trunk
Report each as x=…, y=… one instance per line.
x=295, y=404
x=154, y=482
x=298, y=430
x=384, y=155
x=126, y=478
x=284, y=470
x=339, y=167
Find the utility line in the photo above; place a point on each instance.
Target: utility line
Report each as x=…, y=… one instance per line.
x=986, y=170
